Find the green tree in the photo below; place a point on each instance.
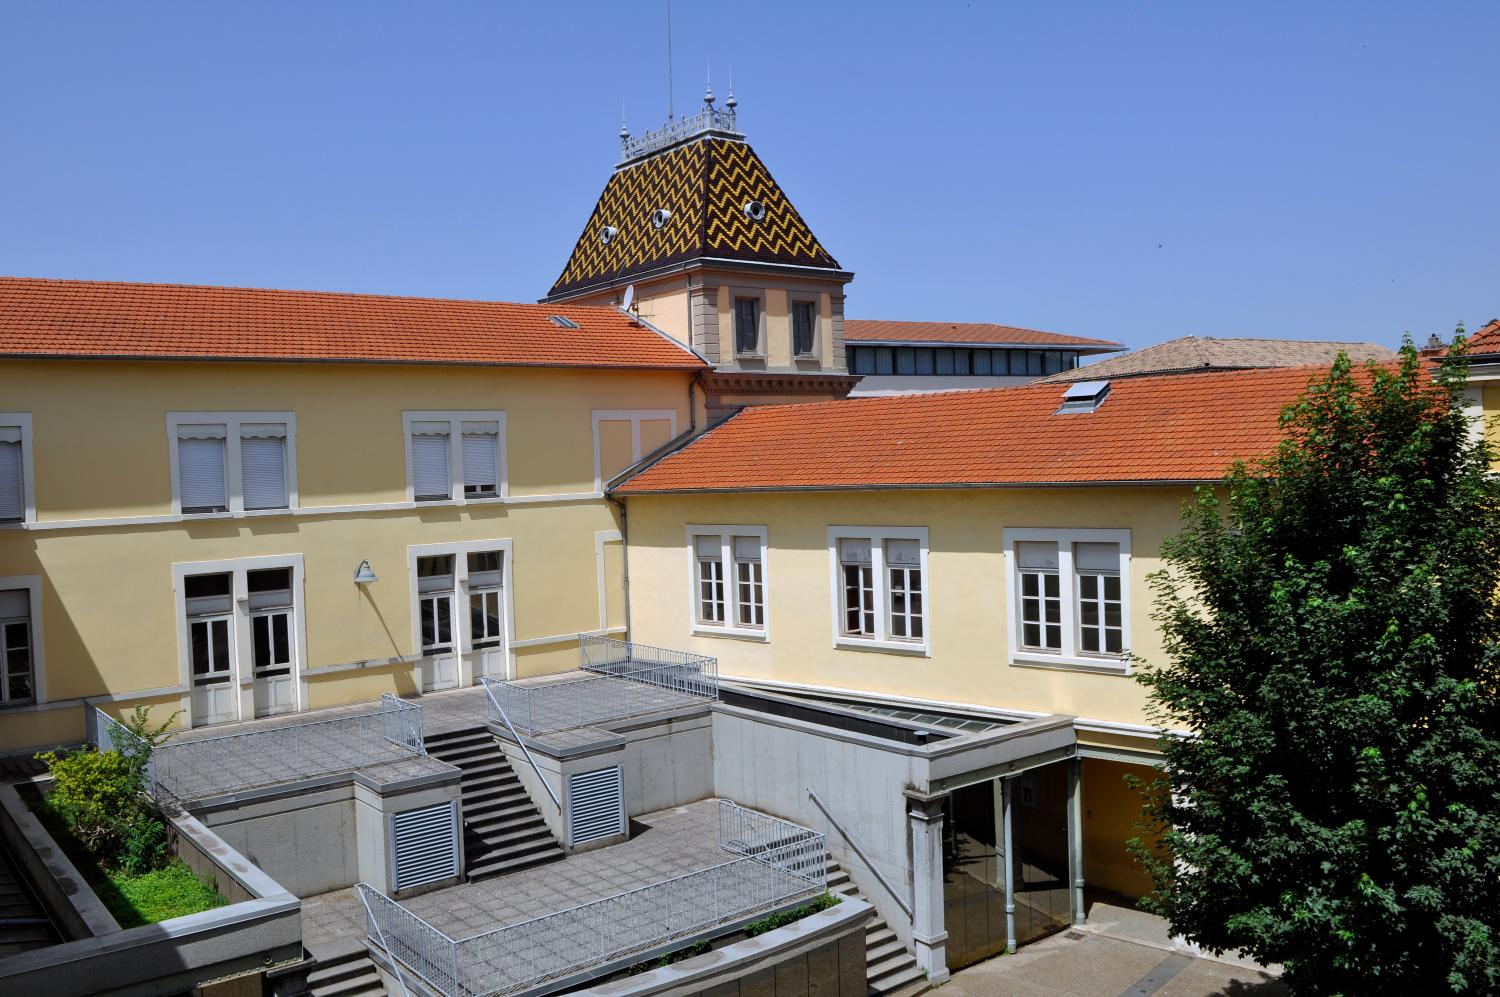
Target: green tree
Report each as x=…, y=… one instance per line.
x=1330, y=627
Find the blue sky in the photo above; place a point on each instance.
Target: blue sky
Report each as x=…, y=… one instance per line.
x=1134, y=172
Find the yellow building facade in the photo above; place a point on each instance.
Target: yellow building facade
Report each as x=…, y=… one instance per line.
x=127, y=586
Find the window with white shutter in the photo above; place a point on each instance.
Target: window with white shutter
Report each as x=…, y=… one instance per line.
x=880, y=587
x=729, y=580
x=201, y=478
x=1070, y=598
x=12, y=475
x=481, y=448
x=263, y=465
x=431, y=479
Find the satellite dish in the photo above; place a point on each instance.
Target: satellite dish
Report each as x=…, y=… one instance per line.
x=629, y=297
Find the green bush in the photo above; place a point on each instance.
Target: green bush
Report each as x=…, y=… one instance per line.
x=97, y=795
x=785, y=917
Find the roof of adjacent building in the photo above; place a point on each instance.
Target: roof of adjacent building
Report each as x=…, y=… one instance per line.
x=706, y=185
x=1196, y=354
x=886, y=331
x=1149, y=429
x=1486, y=339
x=78, y=318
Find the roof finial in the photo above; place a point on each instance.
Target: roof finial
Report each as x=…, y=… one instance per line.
x=669, y=60
x=624, y=129
x=708, y=94
x=731, y=103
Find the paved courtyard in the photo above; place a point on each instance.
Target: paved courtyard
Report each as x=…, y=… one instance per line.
x=664, y=844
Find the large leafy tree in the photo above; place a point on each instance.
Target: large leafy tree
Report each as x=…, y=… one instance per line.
x=1330, y=627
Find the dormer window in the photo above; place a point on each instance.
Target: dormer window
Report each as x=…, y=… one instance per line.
x=660, y=217
x=1084, y=396
x=755, y=210
x=607, y=235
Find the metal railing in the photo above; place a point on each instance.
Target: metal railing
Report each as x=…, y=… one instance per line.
x=680, y=671
x=108, y=734
x=901, y=901
x=204, y=766
x=720, y=119
x=494, y=711
x=367, y=896
x=780, y=864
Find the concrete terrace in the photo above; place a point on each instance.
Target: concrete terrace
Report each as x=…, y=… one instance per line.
x=663, y=845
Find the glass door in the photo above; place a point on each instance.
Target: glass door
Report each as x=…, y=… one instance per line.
x=209, y=611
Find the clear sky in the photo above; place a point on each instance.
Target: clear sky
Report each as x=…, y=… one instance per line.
x=1131, y=171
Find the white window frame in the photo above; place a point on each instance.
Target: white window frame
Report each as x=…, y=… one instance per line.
x=22, y=421
x=462, y=630
x=241, y=663
x=32, y=585
x=635, y=417
x=234, y=490
x=729, y=628
x=882, y=639
x=455, y=422
x=1069, y=658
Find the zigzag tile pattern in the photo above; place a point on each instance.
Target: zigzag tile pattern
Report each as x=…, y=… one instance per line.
x=705, y=186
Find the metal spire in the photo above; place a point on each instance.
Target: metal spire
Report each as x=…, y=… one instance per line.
x=708, y=94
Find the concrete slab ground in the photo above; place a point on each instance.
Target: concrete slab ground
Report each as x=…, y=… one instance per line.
x=1088, y=963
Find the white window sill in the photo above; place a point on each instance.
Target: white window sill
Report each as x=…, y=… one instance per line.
x=1068, y=663
x=734, y=633
x=915, y=648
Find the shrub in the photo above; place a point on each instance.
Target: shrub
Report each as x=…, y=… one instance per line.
x=785, y=917
x=97, y=794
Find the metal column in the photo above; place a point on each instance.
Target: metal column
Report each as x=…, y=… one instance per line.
x=1075, y=839
x=1009, y=865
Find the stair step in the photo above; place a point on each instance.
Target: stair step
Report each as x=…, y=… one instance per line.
x=365, y=984
x=511, y=865
x=504, y=822
x=486, y=850
x=891, y=964
x=878, y=933
x=875, y=954
x=895, y=981
x=333, y=970
x=455, y=755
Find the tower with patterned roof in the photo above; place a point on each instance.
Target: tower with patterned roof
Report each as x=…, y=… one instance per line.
x=720, y=259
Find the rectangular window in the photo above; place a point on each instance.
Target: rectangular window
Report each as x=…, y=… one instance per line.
x=859, y=587
x=486, y=594
x=709, y=552
x=1070, y=600
x=435, y=596
x=263, y=465
x=210, y=608
x=431, y=479
x=961, y=362
x=885, y=360
x=481, y=450
x=270, y=596
x=17, y=648
x=923, y=360
x=12, y=475
x=880, y=592
x=906, y=360
x=982, y=362
x=804, y=327
x=747, y=326
x=749, y=583
x=1051, y=362
x=201, y=468
x=903, y=562
x=945, y=362
x=861, y=360
x=1041, y=595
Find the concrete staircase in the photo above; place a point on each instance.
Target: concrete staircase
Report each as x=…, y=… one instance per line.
x=889, y=967
x=503, y=831
x=23, y=923
x=345, y=970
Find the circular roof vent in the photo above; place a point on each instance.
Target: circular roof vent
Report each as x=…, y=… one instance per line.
x=755, y=210
x=607, y=235
x=660, y=217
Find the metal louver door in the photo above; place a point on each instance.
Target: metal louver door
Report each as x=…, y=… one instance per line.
x=424, y=846
x=596, y=805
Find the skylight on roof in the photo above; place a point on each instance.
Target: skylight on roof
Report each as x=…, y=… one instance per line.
x=566, y=323
x=1084, y=396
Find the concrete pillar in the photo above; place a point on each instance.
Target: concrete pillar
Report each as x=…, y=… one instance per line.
x=1009, y=875
x=927, y=929
x=1075, y=839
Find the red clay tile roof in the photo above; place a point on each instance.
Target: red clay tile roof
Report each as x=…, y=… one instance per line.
x=975, y=333
x=1149, y=429
x=74, y=318
x=1486, y=339
x=1197, y=354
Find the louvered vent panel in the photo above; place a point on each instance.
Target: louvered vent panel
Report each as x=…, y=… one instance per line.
x=596, y=805
x=424, y=846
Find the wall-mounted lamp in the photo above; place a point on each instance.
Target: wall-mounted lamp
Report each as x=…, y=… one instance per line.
x=363, y=575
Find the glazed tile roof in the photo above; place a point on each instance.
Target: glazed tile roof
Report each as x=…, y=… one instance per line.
x=75, y=318
x=1486, y=339
x=705, y=184
x=1196, y=354
x=1148, y=429
x=965, y=333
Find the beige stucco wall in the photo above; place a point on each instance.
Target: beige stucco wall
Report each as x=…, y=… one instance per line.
x=100, y=452
x=966, y=587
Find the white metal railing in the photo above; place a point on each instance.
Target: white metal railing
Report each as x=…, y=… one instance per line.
x=901, y=901
x=108, y=734
x=679, y=671
x=707, y=119
x=495, y=711
x=367, y=896
x=780, y=864
x=197, y=767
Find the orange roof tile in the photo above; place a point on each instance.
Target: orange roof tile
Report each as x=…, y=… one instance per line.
x=976, y=333
x=1486, y=339
x=1188, y=427
x=75, y=318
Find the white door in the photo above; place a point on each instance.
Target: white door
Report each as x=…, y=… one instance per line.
x=487, y=631
x=214, y=699
x=439, y=657
x=271, y=649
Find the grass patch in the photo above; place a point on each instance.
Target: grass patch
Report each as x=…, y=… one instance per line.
x=134, y=900
x=171, y=891
x=782, y=918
